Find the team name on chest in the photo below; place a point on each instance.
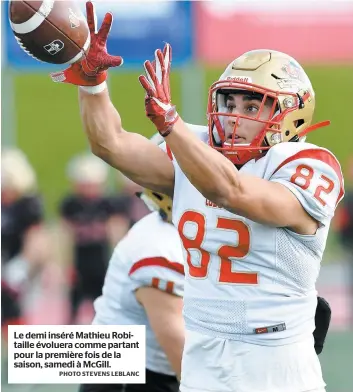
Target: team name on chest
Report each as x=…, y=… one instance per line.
x=209, y=203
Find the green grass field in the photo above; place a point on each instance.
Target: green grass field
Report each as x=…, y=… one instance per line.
x=49, y=130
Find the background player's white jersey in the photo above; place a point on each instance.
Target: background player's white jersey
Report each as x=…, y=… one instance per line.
x=251, y=282
x=149, y=255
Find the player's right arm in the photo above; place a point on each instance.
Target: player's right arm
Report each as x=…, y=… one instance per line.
x=131, y=153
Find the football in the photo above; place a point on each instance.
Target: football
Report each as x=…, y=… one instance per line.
x=55, y=32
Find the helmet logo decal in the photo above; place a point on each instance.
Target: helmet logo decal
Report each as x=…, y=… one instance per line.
x=289, y=84
x=240, y=79
x=294, y=71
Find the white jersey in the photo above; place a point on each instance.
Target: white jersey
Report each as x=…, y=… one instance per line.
x=248, y=281
x=149, y=255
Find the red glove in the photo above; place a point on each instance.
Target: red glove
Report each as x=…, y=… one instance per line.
x=159, y=108
x=92, y=69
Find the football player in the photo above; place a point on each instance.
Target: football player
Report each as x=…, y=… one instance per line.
x=252, y=202
x=144, y=286
x=87, y=216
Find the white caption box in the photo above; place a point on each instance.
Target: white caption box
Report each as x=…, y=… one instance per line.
x=75, y=354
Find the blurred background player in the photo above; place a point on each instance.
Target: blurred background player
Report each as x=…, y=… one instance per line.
x=344, y=225
x=87, y=214
x=24, y=246
x=144, y=286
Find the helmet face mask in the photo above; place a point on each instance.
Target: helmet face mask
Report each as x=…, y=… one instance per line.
x=284, y=98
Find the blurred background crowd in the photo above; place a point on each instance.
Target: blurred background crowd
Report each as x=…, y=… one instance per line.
x=63, y=210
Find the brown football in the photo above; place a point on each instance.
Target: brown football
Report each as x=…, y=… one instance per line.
x=51, y=31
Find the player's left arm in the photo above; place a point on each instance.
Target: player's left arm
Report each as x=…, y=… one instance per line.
x=246, y=195
x=299, y=195
x=268, y=202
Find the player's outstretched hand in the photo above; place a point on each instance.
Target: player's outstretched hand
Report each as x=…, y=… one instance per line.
x=92, y=69
x=158, y=105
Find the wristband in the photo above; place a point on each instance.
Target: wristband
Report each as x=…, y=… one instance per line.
x=94, y=89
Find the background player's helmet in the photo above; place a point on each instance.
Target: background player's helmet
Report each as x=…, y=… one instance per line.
x=157, y=201
x=87, y=168
x=273, y=75
x=17, y=174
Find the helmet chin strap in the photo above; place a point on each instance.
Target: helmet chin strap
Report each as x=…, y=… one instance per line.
x=314, y=127
x=216, y=135
x=215, y=131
